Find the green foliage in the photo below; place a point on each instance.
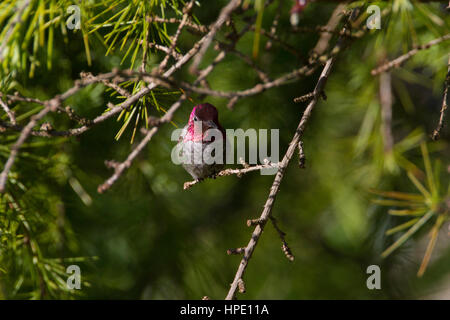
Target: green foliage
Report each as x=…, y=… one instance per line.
x=33, y=230
x=431, y=202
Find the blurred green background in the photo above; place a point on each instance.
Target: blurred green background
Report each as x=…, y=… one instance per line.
x=147, y=238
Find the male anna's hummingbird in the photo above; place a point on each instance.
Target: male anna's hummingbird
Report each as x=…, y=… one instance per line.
x=202, y=143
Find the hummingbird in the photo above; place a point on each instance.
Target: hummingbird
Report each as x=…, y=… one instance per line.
x=202, y=143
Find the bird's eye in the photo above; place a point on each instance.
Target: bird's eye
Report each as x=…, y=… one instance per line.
x=195, y=119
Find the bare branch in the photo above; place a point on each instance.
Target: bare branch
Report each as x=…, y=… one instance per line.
x=237, y=172
x=437, y=131
x=398, y=61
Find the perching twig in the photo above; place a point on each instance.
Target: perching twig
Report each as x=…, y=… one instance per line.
x=237, y=172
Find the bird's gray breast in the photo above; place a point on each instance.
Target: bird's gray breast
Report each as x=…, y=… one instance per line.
x=202, y=159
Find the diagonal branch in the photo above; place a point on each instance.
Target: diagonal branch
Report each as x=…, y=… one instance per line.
x=265, y=215
x=398, y=61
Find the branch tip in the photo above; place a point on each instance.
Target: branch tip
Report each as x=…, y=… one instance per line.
x=287, y=251
x=236, y=251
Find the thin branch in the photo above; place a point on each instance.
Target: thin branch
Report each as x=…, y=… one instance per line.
x=198, y=28
x=17, y=98
x=237, y=172
x=166, y=50
x=437, y=132
x=51, y=105
x=398, y=61
x=286, y=250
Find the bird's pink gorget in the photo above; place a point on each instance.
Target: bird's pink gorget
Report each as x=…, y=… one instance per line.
x=203, y=124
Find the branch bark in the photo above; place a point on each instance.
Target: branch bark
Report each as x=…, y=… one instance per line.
x=277, y=181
